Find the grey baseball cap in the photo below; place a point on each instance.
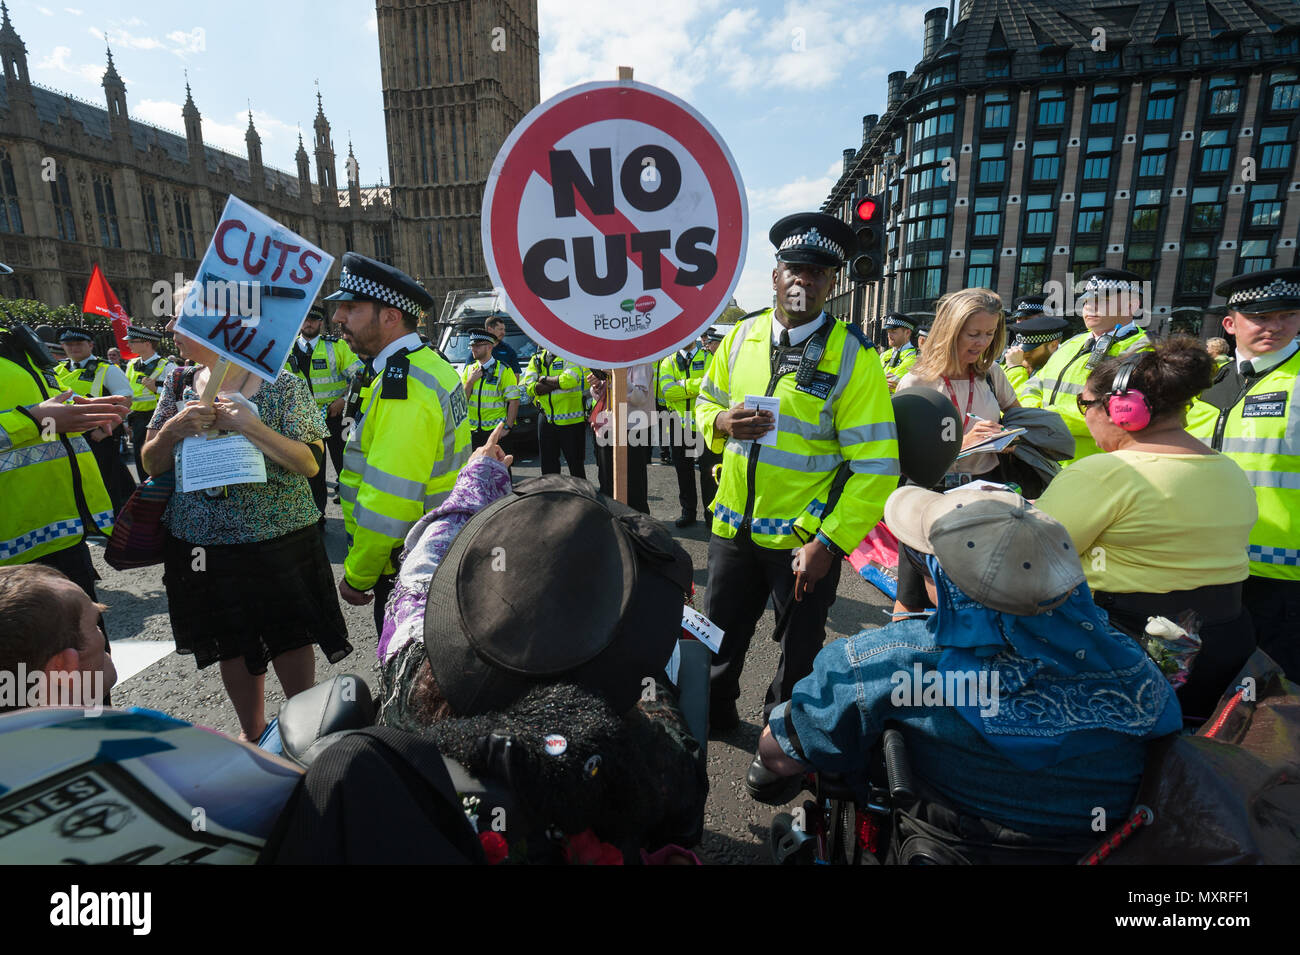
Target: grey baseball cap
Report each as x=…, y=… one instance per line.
x=997, y=547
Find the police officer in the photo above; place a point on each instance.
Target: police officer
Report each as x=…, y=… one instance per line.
x=902, y=354
x=554, y=383
x=411, y=437
x=328, y=366
x=679, y=376
x=491, y=388
x=800, y=489
x=90, y=376
x=51, y=493
x=1037, y=336
x=1109, y=300
x=146, y=373
x=1252, y=414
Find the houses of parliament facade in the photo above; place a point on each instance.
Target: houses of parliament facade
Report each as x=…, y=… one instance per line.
x=82, y=184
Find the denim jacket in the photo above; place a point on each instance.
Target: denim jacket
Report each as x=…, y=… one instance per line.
x=837, y=713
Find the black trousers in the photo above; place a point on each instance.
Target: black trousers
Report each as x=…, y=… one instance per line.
x=117, y=479
x=742, y=576
x=383, y=587
x=685, y=441
x=334, y=443
x=1274, y=606
x=567, y=439
x=139, y=423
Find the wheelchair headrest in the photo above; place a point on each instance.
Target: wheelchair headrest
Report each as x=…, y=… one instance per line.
x=310, y=720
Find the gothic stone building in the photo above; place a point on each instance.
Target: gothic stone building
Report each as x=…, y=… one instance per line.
x=1041, y=138
x=81, y=183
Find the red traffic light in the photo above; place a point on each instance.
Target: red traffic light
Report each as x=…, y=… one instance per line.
x=866, y=210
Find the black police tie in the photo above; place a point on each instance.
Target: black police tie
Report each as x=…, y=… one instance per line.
x=785, y=338
x=1247, y=369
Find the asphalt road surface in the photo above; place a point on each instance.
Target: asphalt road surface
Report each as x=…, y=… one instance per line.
x=736, y=827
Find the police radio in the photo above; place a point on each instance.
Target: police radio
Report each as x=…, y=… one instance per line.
x=1099, y=349
x=812, y=355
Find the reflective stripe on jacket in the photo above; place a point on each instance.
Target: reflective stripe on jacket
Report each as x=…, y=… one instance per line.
x=1261, y=432
x=781, y=493
x=400, y=462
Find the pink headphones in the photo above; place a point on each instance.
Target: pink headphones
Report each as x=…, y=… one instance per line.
x=1128, y=407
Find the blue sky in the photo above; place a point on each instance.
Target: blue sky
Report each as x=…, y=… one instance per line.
x=786, y=82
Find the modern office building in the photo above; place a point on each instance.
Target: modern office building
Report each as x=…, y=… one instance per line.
x=1038, y=139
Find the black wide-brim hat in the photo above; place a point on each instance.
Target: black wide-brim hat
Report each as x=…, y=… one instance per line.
x=364, y=279
x=813, y=238
x=554, y=583
x=1273, y=290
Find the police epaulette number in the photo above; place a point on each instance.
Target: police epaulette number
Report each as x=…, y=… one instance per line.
x=395, y=372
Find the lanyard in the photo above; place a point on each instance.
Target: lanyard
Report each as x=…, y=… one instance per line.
x=970, y=396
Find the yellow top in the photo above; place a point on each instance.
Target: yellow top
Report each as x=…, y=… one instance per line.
x=1155, y=523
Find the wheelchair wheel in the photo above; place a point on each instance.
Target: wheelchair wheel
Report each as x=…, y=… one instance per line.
x=841, y=837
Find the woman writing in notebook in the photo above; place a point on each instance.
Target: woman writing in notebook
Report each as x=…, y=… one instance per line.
x=960, y=361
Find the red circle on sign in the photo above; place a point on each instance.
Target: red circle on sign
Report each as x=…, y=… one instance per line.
x=524, y=154
x=645, y=303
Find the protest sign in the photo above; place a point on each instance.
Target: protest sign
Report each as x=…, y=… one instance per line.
x=614, y=223
x=253, y=289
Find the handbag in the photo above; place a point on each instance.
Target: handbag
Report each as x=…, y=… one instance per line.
x=139, y=536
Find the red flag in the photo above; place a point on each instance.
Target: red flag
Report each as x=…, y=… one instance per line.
x=100, y=300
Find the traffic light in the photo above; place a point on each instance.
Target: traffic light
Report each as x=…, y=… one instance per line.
x=869, y=227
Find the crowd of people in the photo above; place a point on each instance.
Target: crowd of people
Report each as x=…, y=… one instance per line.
x=1101, y=480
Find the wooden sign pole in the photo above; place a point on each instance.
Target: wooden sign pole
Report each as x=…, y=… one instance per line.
x=618, y=393
x=217, y=375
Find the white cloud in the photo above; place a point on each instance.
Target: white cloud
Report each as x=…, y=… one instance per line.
x=372, y=22
x=122, y=38
x=74, y=11
x=46, y=11
x=59, y=61
x=588, y=43
x=276, y=135
x=193, y=41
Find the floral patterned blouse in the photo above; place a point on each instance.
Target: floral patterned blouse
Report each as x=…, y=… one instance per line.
x=250, y=512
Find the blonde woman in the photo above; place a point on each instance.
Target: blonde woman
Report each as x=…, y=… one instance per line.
x=960, y=361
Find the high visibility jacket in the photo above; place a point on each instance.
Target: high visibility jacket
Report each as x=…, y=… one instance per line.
x=137, y=370
x=87, y=381
x=496, y=387
x=564, y=405
x=1018, y=375
x=329, y=368
x=679, y=380
x=1258, y=425
x=1058, y=384
x=838, y=425
x=401, y=460
x=899, y=361
x=49, y=490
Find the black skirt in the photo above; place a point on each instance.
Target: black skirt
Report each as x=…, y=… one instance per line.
x=254, y=601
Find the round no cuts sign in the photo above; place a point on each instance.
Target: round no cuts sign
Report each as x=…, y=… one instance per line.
x=614, y=223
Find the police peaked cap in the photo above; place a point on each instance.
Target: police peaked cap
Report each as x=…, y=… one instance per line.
x=1276, y=290
x=75, y=333
x=813, y=238
x=134, y=333
x=1104, y=281
x=1033, y=332
x=1030, y=306
x=899, y=320
x=477, y=335
x=714, y=333
x=364, y=279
